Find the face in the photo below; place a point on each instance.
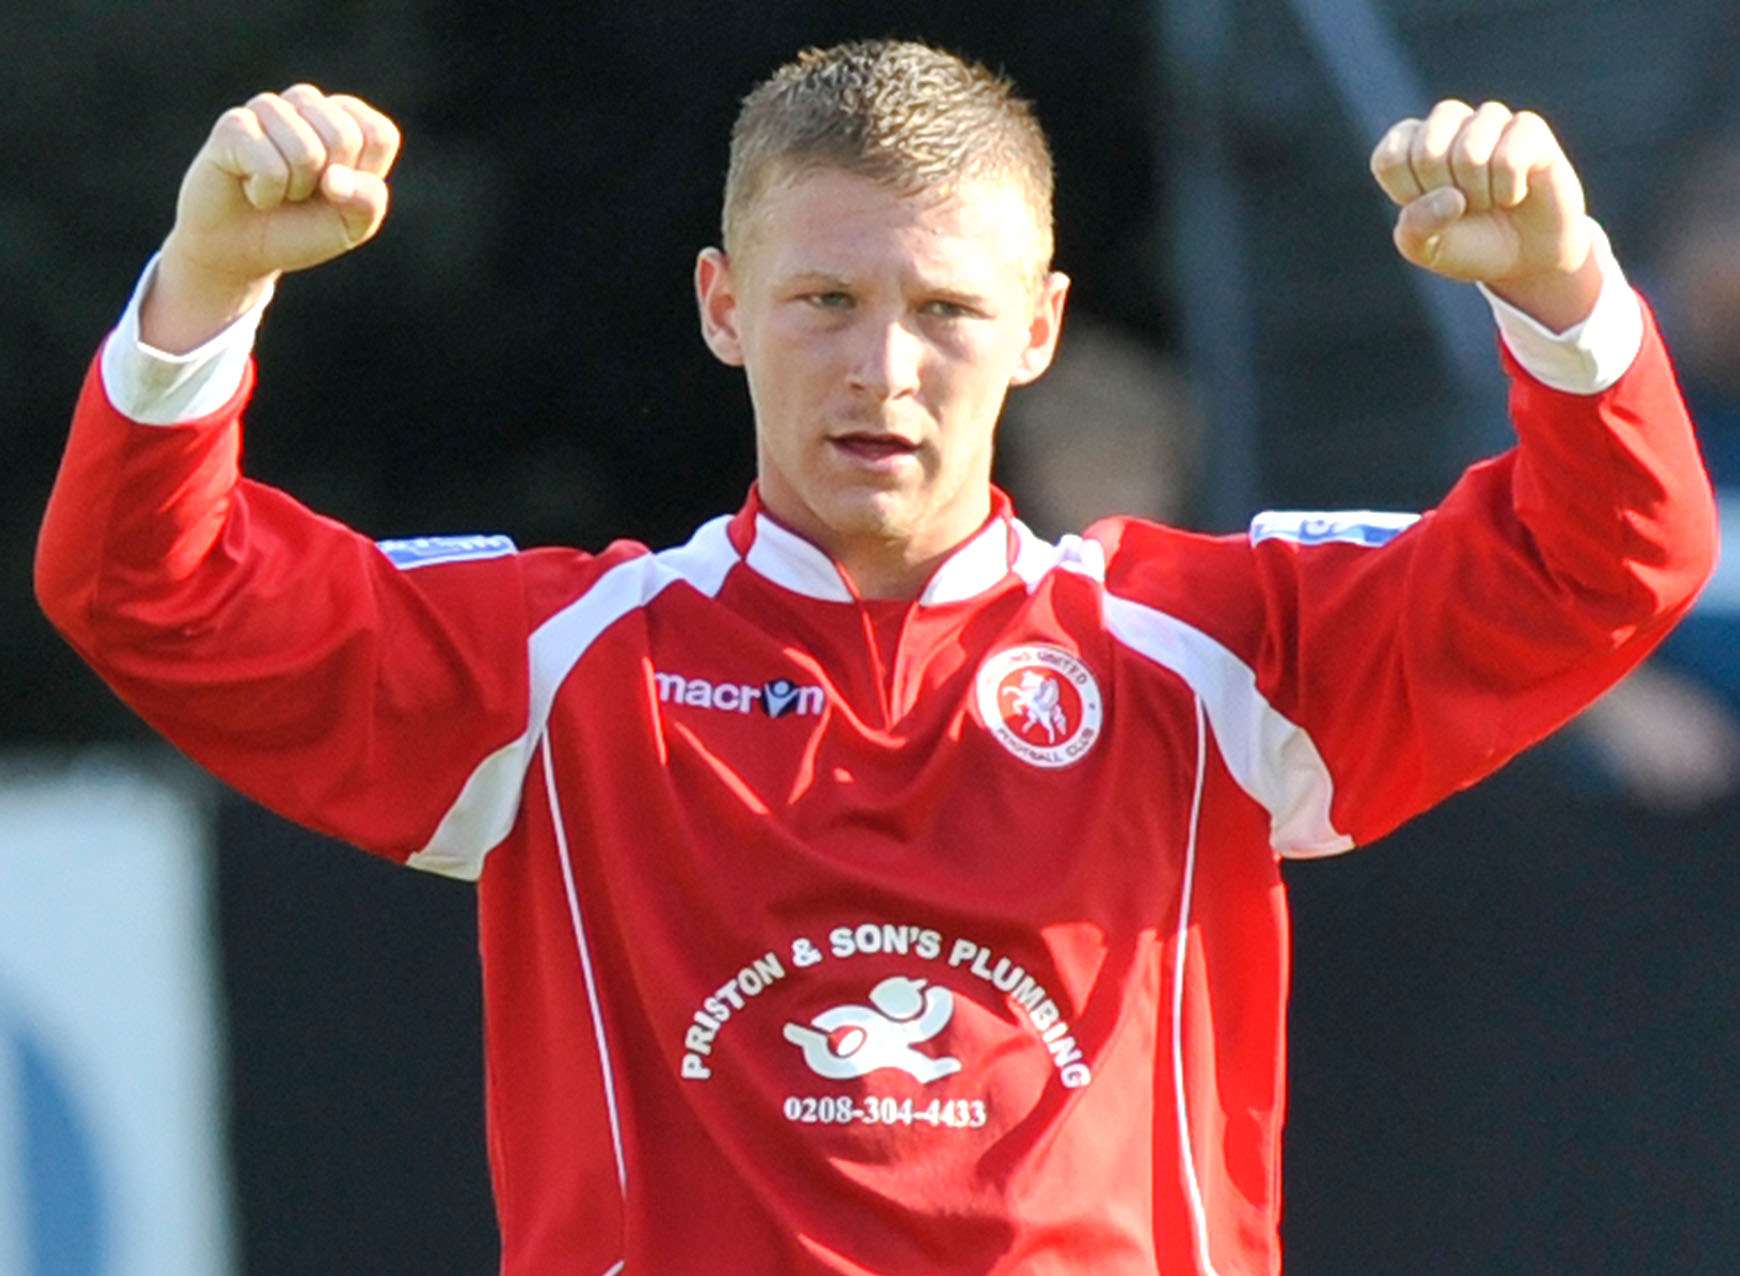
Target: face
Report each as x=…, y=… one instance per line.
x=880, y=333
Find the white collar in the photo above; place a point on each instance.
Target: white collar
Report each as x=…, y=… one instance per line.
x=978, y=564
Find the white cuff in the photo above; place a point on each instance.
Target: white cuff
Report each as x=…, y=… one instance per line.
x=153, y=387
x=1587, y=357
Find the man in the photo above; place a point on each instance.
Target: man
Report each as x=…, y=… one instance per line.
x=867, y=886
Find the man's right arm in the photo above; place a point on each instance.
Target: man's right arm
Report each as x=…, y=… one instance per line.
x=353, y=690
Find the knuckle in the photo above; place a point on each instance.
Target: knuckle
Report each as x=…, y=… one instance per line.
x=329, y=126
x=346, y=126
x=374, y=127
x=236, y=120
x=1470, y=154
x=305, y=158
x=1533, y=127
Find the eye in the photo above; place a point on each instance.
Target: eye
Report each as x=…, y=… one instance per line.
x=833, y=300
x=942, y=308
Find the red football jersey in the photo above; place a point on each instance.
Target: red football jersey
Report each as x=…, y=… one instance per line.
x=841, y=936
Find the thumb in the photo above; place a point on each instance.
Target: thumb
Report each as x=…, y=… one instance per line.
x=359, y=198
x=1423, y=222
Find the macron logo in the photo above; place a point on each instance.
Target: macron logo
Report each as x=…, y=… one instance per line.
x=777, y=699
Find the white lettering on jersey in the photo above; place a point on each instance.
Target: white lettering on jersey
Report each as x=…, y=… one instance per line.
x=778, y=699
x=1041, y=1010
x=730, y=997
x=850, y=1040
x=425, y=551
x=853, y=1041
x=849, y=941
x=1314, y=527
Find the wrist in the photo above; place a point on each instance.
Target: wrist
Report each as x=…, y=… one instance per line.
x=1556, y=299
x=188, y=303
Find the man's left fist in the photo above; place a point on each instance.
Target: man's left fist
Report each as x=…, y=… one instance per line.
x=1486, y=195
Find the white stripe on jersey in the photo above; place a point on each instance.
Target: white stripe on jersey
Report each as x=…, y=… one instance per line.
x=483, y=813
x=1181, y=955
x=1272, y=759
x=584, y=945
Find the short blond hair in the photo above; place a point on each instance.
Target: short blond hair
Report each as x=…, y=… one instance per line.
x=901, y=113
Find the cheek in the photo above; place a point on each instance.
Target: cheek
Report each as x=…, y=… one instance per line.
x=796, y=359
x=980, y=379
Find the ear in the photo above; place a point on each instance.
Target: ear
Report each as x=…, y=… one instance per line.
x=1042, y=332
x=716, y=295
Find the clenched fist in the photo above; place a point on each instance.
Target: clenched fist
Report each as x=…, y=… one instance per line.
x=286, y=182
x=1488, y=195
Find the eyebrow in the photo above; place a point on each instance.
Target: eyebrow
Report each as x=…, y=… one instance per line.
x=827, y=279
x=819, y=278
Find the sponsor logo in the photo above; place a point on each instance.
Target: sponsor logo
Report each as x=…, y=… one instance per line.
x=851, y=1040
x=854, y=1040
x=779, y=698
x=1370, y=528
x=425, y=551
x=1041, y=703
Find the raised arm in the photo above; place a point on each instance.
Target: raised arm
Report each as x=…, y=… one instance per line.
x=1395, y=660
x=359, y=689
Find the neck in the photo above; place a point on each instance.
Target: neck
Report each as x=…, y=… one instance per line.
x=889, y=570
x=881, y=562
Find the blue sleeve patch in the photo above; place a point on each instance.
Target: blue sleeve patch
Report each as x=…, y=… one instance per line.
x=425, y=551
x=1315, y=527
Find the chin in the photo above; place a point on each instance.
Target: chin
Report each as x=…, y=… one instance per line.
x=881, y=515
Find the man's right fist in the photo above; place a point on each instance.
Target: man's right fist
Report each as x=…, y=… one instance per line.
x=286, y=182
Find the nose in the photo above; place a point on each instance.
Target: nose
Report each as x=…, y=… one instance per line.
x=886, y=360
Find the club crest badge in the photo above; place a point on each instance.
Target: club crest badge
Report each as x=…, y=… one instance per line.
x=1041, y=703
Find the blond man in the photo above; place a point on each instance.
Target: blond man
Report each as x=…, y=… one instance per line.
x=867, y=885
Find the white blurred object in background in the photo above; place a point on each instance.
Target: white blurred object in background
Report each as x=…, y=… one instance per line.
x=112, y=1157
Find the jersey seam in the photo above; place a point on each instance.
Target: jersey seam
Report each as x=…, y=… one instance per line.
x=582, y=944
x=1187, y=1154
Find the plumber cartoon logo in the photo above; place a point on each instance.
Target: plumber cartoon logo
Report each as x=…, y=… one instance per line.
x=854, y=1040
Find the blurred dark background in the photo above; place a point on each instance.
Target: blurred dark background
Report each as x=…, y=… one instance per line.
x=1513, y=1023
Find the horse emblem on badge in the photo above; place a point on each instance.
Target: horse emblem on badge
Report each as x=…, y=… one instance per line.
x=1041, y=703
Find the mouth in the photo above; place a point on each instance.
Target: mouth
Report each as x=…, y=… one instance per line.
x=869, y=448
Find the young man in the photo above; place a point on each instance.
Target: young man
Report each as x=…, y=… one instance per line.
x=867, y=886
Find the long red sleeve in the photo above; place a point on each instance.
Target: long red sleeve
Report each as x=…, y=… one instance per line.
x=278, y=648
x=1419, y=665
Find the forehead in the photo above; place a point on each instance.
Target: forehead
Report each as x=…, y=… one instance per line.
x=832, y=222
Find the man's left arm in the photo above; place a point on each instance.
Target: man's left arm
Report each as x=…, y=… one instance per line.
x=1548, y=573
x=1395, y=661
